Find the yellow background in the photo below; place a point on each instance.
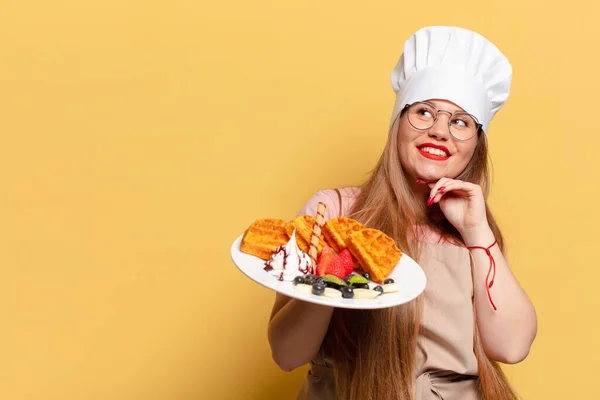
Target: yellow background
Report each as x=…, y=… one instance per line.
x=139, y=139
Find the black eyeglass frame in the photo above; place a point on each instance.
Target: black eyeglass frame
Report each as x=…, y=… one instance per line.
x=477, y=124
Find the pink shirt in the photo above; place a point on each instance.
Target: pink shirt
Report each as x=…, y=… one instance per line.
x=330, y=198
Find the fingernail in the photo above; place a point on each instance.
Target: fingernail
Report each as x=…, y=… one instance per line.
x=441, y=188
x=430, y=201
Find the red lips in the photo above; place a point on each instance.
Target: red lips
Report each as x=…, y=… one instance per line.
x=435, y=146
x=433, y=156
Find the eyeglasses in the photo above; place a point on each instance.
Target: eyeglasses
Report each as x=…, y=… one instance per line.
x=462, y=125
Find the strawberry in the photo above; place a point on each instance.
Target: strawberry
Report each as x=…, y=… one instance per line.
x=342, y=265
x=336, y=268
x=325, y=258
x=346, y=261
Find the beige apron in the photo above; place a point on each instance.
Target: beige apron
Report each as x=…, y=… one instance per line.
x=446, y=363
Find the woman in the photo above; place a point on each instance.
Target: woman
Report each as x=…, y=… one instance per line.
x=428, y=193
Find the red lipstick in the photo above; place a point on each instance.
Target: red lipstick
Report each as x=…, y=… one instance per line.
x=433, y=156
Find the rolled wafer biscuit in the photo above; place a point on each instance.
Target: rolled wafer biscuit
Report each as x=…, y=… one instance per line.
x=316, y=233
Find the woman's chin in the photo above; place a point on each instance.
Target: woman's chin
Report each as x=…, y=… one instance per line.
x=431, y=173
x=429, y=176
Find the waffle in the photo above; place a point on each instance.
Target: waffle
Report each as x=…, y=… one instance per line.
x=336, y=231
x=376, y=252
x=263, y=237
x=304, y=227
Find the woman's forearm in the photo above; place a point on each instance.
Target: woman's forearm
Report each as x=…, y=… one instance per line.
x=296, y=331
x=508, y=332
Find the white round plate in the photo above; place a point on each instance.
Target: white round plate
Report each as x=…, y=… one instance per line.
x=407, y=273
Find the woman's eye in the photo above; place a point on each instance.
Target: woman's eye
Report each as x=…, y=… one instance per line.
x=461, y=123
x=425, y=113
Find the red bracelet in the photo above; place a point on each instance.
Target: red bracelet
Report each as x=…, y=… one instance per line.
x=488, y=283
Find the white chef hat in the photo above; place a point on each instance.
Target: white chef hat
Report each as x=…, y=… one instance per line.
x=454, y=64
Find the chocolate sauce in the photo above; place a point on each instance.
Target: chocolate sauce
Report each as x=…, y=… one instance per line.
x=268, y=267
x=285, y=256
x=309, y=268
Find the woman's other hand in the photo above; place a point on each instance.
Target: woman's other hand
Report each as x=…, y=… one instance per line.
x=461, y=202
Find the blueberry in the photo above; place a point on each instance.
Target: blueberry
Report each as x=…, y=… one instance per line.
x=347, y=292
x=310, y=279
x=361, y=285
x=318, y=288
x=378, y=288
x=367, y=275
x=320, y=280
x=298, y=280
x=389, y=280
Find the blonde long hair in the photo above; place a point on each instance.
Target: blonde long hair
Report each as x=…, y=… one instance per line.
x=374, y=351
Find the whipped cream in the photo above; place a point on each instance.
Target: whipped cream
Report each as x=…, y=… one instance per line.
x=288, y=261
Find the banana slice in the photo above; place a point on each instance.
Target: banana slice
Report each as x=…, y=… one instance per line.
x=332, y=293
x=391, y=287
x=302, y=288
x=365, y=293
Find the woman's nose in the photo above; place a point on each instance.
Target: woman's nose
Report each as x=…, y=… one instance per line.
x=441, y=128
